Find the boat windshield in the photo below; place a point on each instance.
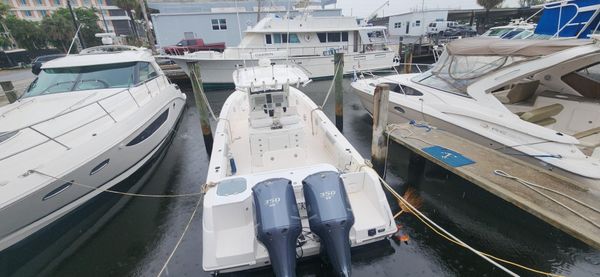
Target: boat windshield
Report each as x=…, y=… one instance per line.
x=497, y=32
x=65, y=79
x=455, y=73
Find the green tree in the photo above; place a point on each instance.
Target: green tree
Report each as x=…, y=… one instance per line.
x=488, y=5
x=4, y=8
x=59, y=27
x=127, y=6
x=28, y=34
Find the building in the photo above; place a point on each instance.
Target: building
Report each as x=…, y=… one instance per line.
x=217, y=21
x=111, y=17
x=414, y=23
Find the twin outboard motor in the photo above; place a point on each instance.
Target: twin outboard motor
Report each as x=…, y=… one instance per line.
x=278, y=223
x=330, y=217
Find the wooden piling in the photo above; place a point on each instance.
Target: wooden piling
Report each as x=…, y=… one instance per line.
x=400, y=47
x=339, y=97
x=201, y=105
x=9, y=91
x=408, y=56
x=379, y=145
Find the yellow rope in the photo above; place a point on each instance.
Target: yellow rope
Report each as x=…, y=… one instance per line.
x=412, y=210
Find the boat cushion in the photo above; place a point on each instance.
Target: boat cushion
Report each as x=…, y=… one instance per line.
x=542, y=113
x=587, y=133
x=518, y=92
x=546, y=121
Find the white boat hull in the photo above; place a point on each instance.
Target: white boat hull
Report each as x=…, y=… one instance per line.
x=54, y=197
x=219, y=71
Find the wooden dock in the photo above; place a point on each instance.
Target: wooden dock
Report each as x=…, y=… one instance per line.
x=481, y=173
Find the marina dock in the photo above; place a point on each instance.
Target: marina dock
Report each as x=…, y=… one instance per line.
x=482, y=173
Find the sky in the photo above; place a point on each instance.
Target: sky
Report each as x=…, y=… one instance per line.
x=362, y=8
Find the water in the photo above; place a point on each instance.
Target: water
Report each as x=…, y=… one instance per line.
x=113, y=236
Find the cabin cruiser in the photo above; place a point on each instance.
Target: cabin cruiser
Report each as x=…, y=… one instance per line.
x=516, y=29
x=538, y=100
x=309, y=42
x=284, y=183
x=87, y=122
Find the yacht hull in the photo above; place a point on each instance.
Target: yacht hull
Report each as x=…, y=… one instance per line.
x=218, y=71
x=399, y=113
x=38, y=209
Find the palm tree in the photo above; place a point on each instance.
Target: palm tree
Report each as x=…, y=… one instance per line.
x=128, y=6
x=488, y=5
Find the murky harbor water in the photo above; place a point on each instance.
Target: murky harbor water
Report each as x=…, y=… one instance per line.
x=124, y=236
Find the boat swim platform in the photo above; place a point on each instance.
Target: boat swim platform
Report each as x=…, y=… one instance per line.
x=481, y=173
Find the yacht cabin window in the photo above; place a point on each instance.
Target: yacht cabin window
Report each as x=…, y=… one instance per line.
x=79, y=78
x=281, y=38
x=333, y=37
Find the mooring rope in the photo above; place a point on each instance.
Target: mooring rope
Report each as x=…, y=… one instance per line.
x=164, y=267
x=448, y=236
x=533, y=187
x=330, y=89
x=204, y=188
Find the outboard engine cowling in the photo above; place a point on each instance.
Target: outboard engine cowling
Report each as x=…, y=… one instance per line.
x=278, y=223
x=330, y=217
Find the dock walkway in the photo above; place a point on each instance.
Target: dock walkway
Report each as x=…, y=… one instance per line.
x=481, y=173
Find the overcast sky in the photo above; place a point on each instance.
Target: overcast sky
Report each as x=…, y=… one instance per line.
x=362, y=8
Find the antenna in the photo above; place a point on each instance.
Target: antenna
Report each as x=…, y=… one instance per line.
x=74, y=37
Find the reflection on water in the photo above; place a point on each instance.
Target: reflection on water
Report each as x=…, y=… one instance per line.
x=135, y=237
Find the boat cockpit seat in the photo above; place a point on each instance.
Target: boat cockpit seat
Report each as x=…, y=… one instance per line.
x=518, y=92
x=542, y=115
x=587, y=133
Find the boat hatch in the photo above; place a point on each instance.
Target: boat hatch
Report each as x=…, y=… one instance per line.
x=231, y=186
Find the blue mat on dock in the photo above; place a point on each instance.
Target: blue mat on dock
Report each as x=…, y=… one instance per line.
x=448, y=156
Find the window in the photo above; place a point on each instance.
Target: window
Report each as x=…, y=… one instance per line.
x=219, y=24
x=44, y=13
x=27, y=13
x=282, y=38
x=146, y=72
x=24, y=2
x=86, y=2
x=78, y=78
x=100, y=2
x=418, y=23
x=40, y=2
x=268, y=39
x=322, y=37
x=333, y=36
x=432, y=24
x=397, y=25
x=57, y=2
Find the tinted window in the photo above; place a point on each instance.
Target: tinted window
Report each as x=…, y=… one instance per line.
x=294, y=38
x=333, y=37
x=268, y=39
x=322, y=37
x=150, y=129
x=55, y=80
x=344, y=36
x=146, y=72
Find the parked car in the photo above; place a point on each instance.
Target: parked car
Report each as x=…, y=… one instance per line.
x=438, y=27
x=193, y=45
x=462, y=31
x=36, y=65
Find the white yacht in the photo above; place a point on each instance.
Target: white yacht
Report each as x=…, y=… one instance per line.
x=309, y=42
x=91, y=119
x=284, y=182
x=536, y=99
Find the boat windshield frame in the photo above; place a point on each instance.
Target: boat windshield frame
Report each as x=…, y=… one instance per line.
x=76, y=77
x=449, y=75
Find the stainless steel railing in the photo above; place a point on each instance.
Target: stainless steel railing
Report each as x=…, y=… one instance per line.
x=98, y=103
